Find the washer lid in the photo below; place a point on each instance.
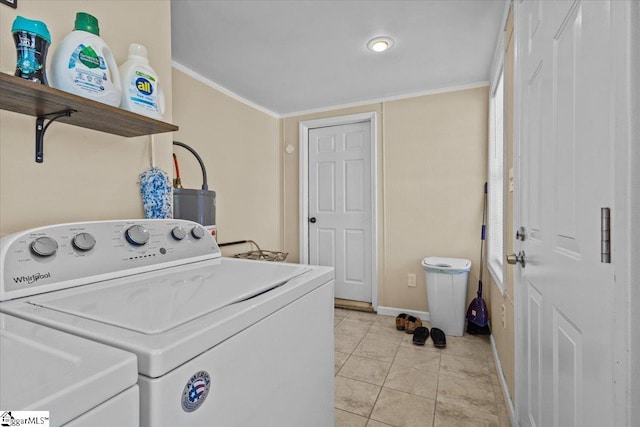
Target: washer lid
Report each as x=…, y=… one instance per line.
x=446, y=265
x=165, y=299
x=48, y=370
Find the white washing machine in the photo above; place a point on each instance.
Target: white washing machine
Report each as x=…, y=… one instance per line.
x=219, y=341
x=81, y=383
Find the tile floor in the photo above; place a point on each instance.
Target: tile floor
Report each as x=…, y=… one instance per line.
x=382, y=379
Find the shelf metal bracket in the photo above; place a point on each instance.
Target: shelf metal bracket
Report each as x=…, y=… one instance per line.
x=41, y=128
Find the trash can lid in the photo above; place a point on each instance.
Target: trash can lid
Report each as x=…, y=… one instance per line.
x=446, y=265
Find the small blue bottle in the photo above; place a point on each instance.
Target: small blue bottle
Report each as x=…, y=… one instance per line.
x=32, y=40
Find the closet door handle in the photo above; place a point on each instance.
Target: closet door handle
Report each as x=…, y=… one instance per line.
x=312, y=220
x=516, y=259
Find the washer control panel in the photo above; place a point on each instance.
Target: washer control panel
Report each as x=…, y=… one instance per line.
x=59, y=256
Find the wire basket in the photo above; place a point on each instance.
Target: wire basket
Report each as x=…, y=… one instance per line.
x=257, y=253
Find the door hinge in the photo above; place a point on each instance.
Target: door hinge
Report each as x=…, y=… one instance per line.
x=605, y=235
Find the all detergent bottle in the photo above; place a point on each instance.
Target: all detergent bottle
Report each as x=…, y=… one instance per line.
x=84, y=65
x=141, y=92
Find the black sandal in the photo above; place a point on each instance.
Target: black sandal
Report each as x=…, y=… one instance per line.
x=420, y=335
x=438, y=337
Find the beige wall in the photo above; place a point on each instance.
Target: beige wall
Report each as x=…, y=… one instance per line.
x=240, y=149
x=435, y=169
x=432, y=166
x=86, y=174
x=504, y=334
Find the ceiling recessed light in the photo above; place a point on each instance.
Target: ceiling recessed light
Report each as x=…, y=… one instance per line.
x=380, y=44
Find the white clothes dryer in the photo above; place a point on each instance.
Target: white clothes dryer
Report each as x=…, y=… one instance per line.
x=80, y=382
x=219, y=341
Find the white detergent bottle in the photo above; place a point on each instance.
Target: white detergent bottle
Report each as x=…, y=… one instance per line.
x=84, y=65
x=141, y=92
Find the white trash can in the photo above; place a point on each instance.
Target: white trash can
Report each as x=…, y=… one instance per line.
x=447, y=282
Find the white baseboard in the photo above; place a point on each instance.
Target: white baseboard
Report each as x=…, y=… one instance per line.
x=503, y=381
x=392, y=311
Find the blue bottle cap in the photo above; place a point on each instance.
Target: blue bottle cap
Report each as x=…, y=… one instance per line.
x=32, y=26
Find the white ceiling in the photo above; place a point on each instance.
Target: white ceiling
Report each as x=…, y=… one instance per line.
x=294, y=56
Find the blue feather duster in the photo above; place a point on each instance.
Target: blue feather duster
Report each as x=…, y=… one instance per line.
x=155, y=187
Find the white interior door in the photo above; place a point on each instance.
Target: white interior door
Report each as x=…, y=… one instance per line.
x=340, y=223
x=565, y=359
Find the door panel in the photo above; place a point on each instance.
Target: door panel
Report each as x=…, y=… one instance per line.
x=355, y=271
x=326, y=144
x=566, y=44
x=566, y=177
x=340, y=201
x=567, y=371
x=534, y=368
x=326, y=192
x=534, y=157
x=354, y=186
x=354, y=141
x=327, y=242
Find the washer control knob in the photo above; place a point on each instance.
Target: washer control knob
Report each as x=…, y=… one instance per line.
x=44, y=246
x=83, y=242
x=197, y=233
x=137, y=235
x=178, y=233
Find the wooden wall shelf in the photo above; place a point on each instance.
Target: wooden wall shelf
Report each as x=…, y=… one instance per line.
x=37, y=100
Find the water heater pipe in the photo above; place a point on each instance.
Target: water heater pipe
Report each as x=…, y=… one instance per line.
x=204, y=170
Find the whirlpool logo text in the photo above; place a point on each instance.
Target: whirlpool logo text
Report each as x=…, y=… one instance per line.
x=29, y=280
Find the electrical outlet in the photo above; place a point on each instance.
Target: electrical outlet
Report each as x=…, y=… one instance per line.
x=503, y=316
x=411, y=282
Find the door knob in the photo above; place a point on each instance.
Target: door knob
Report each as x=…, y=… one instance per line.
x=514, y=259
x=312, y=220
